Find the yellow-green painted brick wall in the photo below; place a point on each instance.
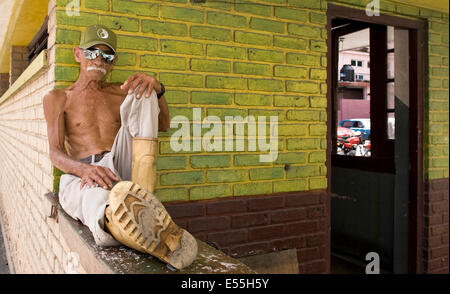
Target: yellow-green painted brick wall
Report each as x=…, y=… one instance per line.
x=245, y=58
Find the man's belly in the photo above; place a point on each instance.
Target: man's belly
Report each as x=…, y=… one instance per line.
x=90, y=141
x=79, y=151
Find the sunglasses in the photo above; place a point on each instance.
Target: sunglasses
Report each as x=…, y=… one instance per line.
x=93, y=53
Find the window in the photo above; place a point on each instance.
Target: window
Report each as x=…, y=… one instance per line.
x=353, y=98
x=390, y=84
x=39, y=42
x=347, y=124
x=374, y=115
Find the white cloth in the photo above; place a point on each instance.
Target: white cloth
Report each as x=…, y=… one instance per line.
x=139, y=118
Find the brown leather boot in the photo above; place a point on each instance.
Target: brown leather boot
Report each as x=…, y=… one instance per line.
x=137, y=219
x=143, y=166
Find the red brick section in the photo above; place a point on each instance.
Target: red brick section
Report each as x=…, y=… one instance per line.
x=435, y=251
x=250, y=225
x=4, y=83
x=18, y=62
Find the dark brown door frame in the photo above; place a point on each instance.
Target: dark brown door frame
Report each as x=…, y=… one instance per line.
x=417, y=44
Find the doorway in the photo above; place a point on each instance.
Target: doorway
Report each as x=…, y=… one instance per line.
x=374, y=126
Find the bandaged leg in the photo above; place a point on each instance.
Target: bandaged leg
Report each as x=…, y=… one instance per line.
x=144, y=162
x=141, y=118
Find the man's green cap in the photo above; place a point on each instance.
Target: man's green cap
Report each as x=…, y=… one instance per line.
x=98, y=34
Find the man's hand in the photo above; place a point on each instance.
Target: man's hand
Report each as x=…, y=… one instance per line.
x=92, y=174
x=147, y=83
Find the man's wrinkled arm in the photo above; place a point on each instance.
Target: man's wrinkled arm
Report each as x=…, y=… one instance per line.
x=54, y=103
x=163, y=118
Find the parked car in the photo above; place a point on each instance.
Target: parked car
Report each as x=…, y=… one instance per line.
x=358, y=124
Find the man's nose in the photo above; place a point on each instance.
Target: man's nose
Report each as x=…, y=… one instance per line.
x=98, y=61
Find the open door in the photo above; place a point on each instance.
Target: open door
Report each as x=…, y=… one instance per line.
x=373, y=131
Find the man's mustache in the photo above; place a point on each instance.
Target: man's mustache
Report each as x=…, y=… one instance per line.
x=96, y=68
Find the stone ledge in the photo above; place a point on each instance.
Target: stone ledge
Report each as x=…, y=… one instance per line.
x=123, y=260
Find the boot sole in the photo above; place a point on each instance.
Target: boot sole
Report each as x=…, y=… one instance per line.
x=145, y=225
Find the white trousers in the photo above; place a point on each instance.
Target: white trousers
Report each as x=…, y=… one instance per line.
x=139, y=118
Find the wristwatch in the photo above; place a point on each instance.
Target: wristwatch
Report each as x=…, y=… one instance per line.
x=163, y=90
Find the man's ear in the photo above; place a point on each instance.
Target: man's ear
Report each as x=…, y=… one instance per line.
x=77, y=54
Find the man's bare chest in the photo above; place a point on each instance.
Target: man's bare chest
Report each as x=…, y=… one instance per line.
x=92, y=111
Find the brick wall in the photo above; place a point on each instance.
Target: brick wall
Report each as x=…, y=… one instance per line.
x=225, y=59
x=272, y=53
x=435, y=250
x=246, y=58
x=249, y=58
x=436, y=115
x=436, y=227
x=4, y=82
x=229, y=59
x=246, y=225
x=18, y=62
x=33, y=240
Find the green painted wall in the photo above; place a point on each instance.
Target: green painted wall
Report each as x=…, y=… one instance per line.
x=245, y=58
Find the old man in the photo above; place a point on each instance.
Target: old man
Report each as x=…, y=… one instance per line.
x=103, y=137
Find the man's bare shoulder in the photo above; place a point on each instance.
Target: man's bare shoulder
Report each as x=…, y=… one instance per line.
x=55, y=97
x=114, y=88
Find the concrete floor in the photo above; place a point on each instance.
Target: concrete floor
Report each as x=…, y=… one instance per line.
x=3, y=260
x=342, y=265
